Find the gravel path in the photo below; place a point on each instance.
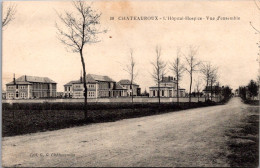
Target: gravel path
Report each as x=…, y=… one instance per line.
x=193, y=137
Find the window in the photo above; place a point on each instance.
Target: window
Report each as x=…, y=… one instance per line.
x=77, y=86
x=69, y=88
x=77, y=94
x=65, y=88
x=91, y=86
x=10, y=95
x=23, y=95
x=91, y=94
x=162, y=92
x=22, y=87
x=10, y=87
x=154, y=93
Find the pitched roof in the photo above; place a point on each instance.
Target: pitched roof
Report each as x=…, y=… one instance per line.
x=119, y=87
x=92, y=77
x=30, y=79
x=126, y=82
x=71, y=82
x=19, y=83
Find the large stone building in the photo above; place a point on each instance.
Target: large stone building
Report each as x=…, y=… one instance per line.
x=97, y=87
x=168, y=88
x=127, y=85
x=27, y=87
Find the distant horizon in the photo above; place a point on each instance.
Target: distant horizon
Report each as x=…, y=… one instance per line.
x=30, y=45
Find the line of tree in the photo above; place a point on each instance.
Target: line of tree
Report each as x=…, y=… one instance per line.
x=249, y=92
x=191, y=64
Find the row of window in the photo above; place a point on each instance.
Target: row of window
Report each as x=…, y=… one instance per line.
x=91, y=94
x=91, y=86
x=77, y=94
x=15, y=87
x=22, y=95
x=25, y=87
x=80, y=94
x=162, y=92
x=81, y=86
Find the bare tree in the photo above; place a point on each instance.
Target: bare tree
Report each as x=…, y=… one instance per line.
x=159, y=67
x=197, y=86
x=131, y=70
x=207, y=71
x=8, y=14
x=213, y=80
x=79, y=28
x=192, y=65
x=178, y=68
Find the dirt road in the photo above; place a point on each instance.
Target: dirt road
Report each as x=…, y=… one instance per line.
x=193, y=137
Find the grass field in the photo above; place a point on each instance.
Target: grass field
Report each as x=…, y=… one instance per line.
x=23, y=118
x=244, y=140
x=251, y=102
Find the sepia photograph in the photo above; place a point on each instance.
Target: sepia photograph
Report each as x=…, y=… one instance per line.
x=120, y=83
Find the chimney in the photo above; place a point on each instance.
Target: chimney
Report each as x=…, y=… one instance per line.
x=14, y=78
x=25, y=79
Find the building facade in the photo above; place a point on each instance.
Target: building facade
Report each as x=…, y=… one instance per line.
x=97, y=87
x=120, y=91
x=168, y=88
x=27, y=87
x=125, y=83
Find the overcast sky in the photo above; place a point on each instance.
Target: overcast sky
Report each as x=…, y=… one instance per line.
x=31, y=47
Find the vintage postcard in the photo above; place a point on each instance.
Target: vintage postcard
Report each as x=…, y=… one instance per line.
x=160, y=83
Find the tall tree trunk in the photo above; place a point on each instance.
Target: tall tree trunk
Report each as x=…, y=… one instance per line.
x=177, y=91
x=132, y=94
x=158, y=93
x=190, y=88
x=206, y=90
x=85, y=86
x=211, y=90
x=132, y=78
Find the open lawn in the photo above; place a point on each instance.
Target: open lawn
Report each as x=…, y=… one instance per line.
x=22, y=118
